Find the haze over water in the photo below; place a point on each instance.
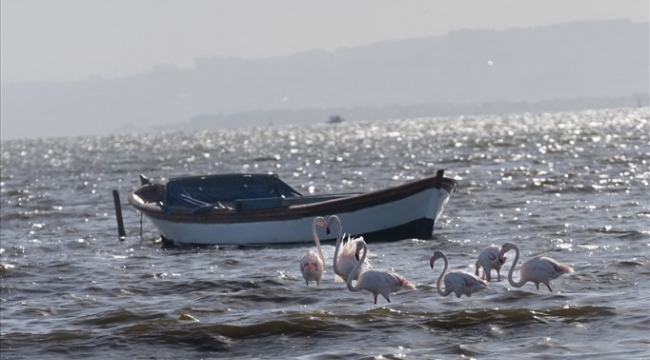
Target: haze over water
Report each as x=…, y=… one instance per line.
x=573, y=185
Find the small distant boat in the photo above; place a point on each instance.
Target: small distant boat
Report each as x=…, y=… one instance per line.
x=261, y=209
x=335, y=119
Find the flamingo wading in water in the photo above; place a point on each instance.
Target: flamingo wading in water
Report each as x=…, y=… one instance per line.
x=312, y=266
x=377, y=281
x=457, y=282
x=540, y=269
x=345, y=252
x=490, y=258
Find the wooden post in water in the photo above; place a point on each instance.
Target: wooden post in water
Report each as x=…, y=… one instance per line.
x=118, y=214
x=439, y=175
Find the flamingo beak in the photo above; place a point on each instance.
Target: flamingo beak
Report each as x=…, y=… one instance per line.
x=327, y=230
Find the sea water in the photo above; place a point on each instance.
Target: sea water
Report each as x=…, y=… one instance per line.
x=571, y=185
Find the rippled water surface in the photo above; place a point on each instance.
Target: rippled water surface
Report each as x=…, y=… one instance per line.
x=573, y=186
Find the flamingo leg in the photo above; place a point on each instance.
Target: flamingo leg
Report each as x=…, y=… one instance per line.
x=549, y=287
x=375, y=296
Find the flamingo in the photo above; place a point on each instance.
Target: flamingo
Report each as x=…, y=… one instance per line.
x=377, y=281
x=345, y=252
x=540, y=269
x=312, y=266
x=457, y=282
x=490, y=259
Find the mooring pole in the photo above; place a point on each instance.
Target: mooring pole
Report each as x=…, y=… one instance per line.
x=118, y=215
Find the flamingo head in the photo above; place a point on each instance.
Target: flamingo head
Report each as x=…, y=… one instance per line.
x=504, y=249
x=357, y=252
x=333, y=219
x=436, y=255
x=320, y=221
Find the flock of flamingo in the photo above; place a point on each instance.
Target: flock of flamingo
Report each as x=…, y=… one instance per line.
x=350, y=264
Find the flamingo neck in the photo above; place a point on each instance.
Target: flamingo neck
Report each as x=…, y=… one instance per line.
x=512, y=270
x=339, y=238
x=442, y=276
x=357, y=266
x=317, y=241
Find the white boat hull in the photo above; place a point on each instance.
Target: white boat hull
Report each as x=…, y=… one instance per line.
x=424, y=206
x=402, y=212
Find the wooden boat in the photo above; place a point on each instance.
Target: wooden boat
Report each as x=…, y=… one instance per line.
x=261, y=209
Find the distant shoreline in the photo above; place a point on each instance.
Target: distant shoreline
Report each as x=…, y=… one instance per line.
x=314, y=116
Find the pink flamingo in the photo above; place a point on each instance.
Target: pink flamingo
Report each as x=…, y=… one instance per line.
x=457, y=282
x=540, y=269
x=345, y=252
x=377, y=281
x=312, y=266
x=490, y=259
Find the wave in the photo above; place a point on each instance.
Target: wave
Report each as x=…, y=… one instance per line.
x=129, y=329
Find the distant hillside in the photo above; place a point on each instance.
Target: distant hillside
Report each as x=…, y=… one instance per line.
x=462, y=70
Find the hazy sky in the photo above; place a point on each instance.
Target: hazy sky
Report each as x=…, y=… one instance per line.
x=68, y=40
